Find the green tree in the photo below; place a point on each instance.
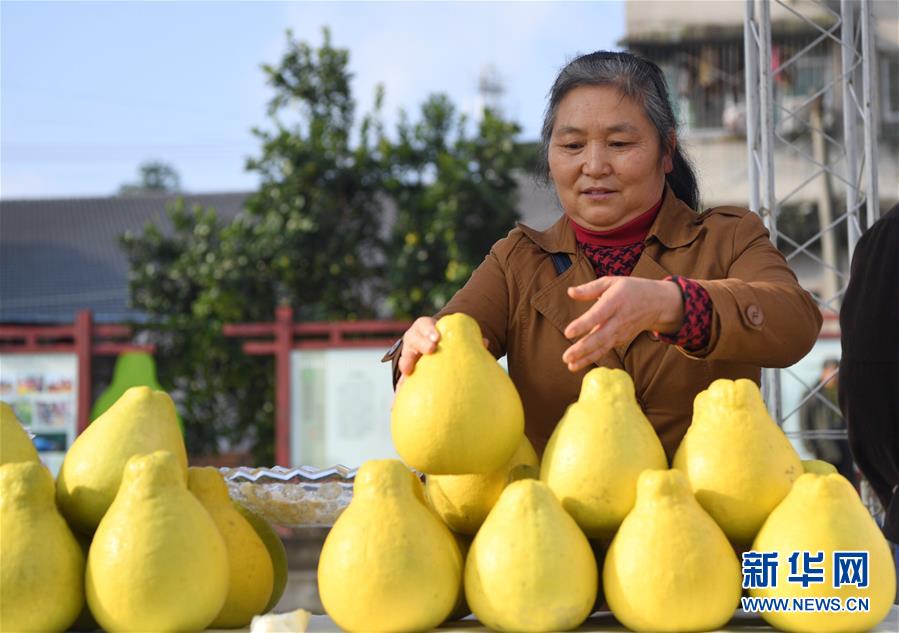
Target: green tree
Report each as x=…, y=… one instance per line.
x=309, y=238
x=224, y=397
x=312, y=237
x=154, y=177
x=455, y=194
x=313, y=229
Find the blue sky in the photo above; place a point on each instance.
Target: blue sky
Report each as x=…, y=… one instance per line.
x=90, y=90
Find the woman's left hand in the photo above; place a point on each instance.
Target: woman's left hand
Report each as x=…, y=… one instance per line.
x=625, y=306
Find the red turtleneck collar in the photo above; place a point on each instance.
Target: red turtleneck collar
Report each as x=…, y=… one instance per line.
x=630, y=233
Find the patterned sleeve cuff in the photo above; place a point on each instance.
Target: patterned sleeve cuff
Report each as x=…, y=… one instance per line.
x=696, y=329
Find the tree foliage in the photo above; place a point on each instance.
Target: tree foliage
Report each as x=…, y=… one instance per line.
x=314, y=226
x=225, y=398
x=455, y=195
x=314, y=236
x=154, y=177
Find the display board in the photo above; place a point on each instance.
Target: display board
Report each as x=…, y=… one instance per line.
x=43, y=391
x=340, y=407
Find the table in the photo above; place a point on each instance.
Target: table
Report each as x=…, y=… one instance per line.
x=602, y=621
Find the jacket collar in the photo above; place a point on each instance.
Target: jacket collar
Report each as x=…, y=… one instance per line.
x=559, y=238
x=676, y=225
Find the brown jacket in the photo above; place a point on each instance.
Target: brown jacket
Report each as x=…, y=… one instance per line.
x=762, y=317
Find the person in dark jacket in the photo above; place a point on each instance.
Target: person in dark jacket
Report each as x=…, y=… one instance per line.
x=869, y=367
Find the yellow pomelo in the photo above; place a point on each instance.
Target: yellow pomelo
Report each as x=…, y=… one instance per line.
x=597, y=451
x=461, y=609
x=15, y=445
x=823, y=514
x=738, y=461
x=670, y=567
x=41, y=563
x=530, y=568
x=388, y=564
x=85, y=620
x=463, y=501
x=458, y=413
x=819, y=467
x=599, y=547
x=251, y=574
x=141, y=421
x=276, y=550
x=157, y=561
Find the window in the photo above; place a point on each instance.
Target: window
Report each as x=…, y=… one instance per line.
x=706, y=79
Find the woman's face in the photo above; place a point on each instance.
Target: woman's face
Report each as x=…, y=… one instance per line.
x=605, y=158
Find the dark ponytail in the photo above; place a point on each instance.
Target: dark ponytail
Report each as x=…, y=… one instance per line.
x=682, y=180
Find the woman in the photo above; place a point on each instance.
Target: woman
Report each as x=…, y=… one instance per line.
x=631, y=276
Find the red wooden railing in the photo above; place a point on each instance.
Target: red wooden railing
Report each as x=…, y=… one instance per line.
x=87, y=339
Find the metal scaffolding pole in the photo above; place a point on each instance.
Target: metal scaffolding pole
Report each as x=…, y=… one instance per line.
x=800, y=120
x=766, y=122
x=850, y=128
x=765, y=82
x=798, y=126
x=751, y=55
x=869, y=56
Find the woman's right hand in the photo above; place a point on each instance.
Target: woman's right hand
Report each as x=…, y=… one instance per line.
x=420, y=339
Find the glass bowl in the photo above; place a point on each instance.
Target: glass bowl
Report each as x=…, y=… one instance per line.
x=292, y=497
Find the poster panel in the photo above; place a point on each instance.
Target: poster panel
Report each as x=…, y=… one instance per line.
x=43, y=391
x=340, y=407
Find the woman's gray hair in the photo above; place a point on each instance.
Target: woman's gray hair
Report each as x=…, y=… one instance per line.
x=642, y=81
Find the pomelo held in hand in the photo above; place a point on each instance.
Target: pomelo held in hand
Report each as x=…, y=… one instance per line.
x=458, y=413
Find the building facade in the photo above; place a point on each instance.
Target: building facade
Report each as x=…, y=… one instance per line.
x=700, y=47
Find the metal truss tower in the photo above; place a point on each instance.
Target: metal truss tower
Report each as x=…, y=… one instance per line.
x=843, y=155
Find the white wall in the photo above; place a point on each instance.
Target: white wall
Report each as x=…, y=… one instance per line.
x=644, y=17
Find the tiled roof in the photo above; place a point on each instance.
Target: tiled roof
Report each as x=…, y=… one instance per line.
x=59, y=256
